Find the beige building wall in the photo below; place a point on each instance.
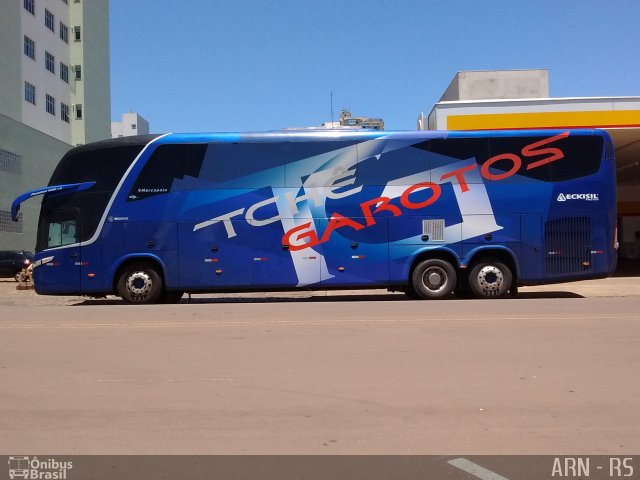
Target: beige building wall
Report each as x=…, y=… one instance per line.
x=32, y=140
x=497, y=84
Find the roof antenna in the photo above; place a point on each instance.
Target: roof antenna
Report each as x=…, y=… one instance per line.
x=331, y=108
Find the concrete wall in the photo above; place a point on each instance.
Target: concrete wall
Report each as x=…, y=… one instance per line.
x=39, y=154
x=131, y=124
x=97, y=73
x=11, y=86
x=34, y=71
x=497, y=84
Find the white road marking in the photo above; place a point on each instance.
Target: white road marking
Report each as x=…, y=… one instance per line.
x=475, y=469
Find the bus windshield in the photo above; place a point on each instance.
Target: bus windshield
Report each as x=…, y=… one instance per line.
x=68, y=219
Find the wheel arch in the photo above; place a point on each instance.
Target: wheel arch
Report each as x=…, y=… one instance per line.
x=434, y=253
x=122, y=263
x=503, y=254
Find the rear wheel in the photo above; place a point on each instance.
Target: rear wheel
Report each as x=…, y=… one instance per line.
x=490, y=279
x=433, y=279
x=410, y=292
x=140, y=283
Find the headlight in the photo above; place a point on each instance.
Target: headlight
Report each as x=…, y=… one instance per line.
x=26, y=261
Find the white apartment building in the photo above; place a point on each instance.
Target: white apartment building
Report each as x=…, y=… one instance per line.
x=54, y=94
x=131, y=124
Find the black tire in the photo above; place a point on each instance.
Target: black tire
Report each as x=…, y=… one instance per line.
x=490, y=278
x=17, y=276
x=433, y=279
x=410, y=292
x=140, y=283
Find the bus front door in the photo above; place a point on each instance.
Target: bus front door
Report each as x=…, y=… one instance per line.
x=61, y=273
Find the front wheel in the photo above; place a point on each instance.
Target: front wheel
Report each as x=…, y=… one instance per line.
x=490, y=279
x=140, y=283
x=433, y=279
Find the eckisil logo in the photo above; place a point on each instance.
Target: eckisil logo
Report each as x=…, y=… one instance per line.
x=588, y=197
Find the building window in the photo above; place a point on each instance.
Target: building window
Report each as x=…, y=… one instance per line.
x=64, y=112
x=10, y=162
x=78, y=109
x=78, y=70
x=50, y=62
x=30, y=6
x=29, y=48
x=133, y=126
x=51, y=105
x=49, y=20
x=30, y=93
x=64, y=33
x=64, y=73
x=8, y=225
x=76, y=34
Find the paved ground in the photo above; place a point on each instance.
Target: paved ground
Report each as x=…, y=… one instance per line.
x=552, y=372
x=621, y=286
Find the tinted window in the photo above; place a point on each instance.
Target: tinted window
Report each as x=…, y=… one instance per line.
x=578, y=155
x=510, y=148
x=582, y=157
x=244, y=165
x=59, y=227
x=105, y=166
x=392, y=167
x=167, y=164
x=458, y=148
x=229, y=165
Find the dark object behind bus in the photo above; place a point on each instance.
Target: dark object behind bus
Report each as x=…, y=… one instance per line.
x=13, y=261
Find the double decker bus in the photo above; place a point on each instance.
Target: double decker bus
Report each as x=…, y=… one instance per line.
x=428, y=213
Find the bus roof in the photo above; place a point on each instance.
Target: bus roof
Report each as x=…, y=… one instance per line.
x=315, y=135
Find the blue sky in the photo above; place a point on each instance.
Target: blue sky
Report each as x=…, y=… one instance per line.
x=254, y=65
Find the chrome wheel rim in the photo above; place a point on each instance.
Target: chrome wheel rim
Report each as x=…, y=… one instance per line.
x=139, y=284
x=434, y=279
x=490, y=279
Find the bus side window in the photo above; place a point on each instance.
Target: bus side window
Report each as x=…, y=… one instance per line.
x=243, y=165
x=445, y=151
x=62, y=233
x=394, y=165
x=582, y=155
x=298, y=156
x=169, y=168
x=506, y=156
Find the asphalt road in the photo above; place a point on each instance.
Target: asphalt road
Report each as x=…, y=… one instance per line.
x=553, y=372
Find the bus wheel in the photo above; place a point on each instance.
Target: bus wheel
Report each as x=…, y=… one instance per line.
x=140, y=283
x=490, y=279
x=410, y=292
x=433, y=279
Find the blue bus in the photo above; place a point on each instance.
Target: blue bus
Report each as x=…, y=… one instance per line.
x=428, y=213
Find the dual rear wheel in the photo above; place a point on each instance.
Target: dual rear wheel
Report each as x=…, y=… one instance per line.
x=436, y=279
